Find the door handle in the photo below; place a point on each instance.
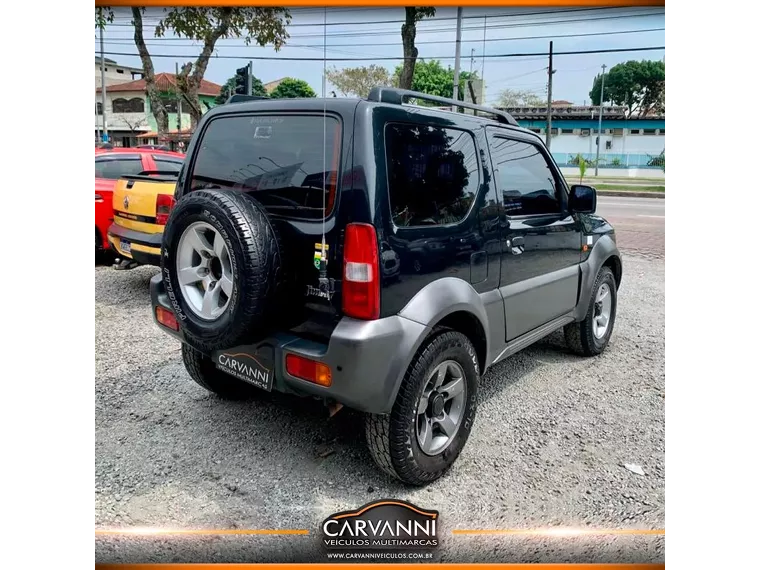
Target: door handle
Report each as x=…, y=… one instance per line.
x=517, y=245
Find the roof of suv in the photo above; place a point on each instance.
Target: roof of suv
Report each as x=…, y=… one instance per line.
x=343, y=106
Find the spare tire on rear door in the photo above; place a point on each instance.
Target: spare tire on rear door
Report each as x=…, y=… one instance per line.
x=222, y=266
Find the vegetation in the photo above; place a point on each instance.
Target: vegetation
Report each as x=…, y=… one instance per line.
x=581, y=167
x=637, y=85
x=520, y=98
x=658, y=160
x=432, y=78
x=408, y=35
x=290, y=88
x=358, y=81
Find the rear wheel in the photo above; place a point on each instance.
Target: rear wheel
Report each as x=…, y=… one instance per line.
x=433, y=414
x=202, y=369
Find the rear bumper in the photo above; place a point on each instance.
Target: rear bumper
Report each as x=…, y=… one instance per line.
x=145, y=248
x=367, y=359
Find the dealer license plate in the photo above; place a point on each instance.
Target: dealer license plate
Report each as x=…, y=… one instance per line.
x=252, y=364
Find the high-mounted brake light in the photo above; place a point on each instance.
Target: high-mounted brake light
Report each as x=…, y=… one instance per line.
x=361, y=272
x=164, y=205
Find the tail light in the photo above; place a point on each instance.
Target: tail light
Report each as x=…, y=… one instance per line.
x=361, y=273
x=164, y=205
x=307, y=369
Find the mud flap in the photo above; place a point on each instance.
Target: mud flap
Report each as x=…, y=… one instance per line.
x=252, y=364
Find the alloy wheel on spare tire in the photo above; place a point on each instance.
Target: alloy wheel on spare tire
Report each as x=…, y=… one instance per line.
x=222, y=264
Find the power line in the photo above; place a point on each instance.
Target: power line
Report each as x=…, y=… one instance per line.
x=431, y=20
x=439, y=57
x=421, y=30
x=160, y=41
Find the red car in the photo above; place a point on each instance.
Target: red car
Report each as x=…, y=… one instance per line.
x=112, y=164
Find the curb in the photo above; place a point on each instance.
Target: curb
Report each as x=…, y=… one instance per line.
x=631, y=194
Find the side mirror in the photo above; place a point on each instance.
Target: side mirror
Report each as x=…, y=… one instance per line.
x=582, y=199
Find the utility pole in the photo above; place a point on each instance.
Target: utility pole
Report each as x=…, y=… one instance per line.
x=250, y=78
x=599, y=137
x=472, y=60
x=549, y=98
x=483, y=68
x=458, y=55
x=103, y=88
x=179, y=101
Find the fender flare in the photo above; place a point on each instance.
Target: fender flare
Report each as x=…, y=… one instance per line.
x=604, y=249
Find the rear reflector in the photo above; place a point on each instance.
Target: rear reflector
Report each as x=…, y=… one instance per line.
x=361, y=279
x=309, y=370
x=167, y=318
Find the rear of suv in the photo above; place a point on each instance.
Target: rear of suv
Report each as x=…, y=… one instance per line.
x=381, y=256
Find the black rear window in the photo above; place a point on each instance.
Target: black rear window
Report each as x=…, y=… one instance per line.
x=290, y=162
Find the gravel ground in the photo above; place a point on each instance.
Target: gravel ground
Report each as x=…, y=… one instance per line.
x=548, y=447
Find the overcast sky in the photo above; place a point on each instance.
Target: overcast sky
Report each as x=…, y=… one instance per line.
x=375, y=33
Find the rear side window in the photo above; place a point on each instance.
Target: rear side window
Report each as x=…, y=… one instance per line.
x=433, y=174
x=115, y=168
x=167, y=165
x=277, y=158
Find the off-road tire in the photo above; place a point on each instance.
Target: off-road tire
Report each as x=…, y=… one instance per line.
x=580, y=336
x=256, y=254
x=201, y=369
x=391, y=438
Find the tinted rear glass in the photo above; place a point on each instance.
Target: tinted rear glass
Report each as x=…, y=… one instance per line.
x=115, y=168
x=284, y=160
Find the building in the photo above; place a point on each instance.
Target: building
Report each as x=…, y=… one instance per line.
x=115, y=73
x=272, y=85
x=626, y=142
x=129, y=119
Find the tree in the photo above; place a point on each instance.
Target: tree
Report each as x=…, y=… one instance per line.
x=520, y=98
x=228, y=89
x=408, y=34
x=205, y=25
x=290, y=88
x=637, y=85
x=432, y=78
x=358, y=81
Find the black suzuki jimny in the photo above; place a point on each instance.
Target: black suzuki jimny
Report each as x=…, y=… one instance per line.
x=379, y=255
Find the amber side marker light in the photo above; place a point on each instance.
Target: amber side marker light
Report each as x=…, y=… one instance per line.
x=309, y=370
x=167, y=318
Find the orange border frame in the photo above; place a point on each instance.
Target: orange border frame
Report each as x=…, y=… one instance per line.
x=375, y=566
x=379, y=3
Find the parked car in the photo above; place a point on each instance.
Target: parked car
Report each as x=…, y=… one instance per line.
x=271, y=274
x=112, y=164
x=141, y=206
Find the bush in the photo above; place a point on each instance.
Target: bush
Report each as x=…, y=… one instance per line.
x=658, y=160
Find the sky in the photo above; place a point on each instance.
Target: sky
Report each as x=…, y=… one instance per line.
x=376, y=33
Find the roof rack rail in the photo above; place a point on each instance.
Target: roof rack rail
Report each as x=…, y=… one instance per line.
x=398, y=96
x=240, y=98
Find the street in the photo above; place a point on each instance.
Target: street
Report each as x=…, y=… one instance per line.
x=639, y=223
x=550, y=441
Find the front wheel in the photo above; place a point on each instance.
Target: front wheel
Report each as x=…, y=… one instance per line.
x=592, y=335
x=433, y=414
